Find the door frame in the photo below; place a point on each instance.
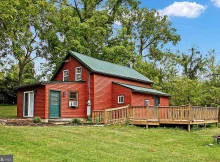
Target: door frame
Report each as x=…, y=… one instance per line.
x=50, y=102
x=29, y=100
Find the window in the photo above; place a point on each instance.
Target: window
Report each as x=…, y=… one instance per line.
x=156, y=101
x=65, y=75
x=120, y=99
x=73, y=99
x=28, y=108
x=146, y=102
x=78, y=73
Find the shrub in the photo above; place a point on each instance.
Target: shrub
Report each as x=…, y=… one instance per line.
x=76, y=121
x=37, y=119
x=89, y=120
x=127, y=122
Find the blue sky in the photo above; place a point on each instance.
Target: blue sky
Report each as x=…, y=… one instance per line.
x=198, y=22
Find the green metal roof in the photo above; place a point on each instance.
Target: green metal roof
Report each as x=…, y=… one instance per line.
x=107, y=68
x=142, y=89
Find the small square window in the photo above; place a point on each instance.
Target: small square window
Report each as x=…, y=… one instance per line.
x=146, y=102
x=120, y=99
x=65, y=75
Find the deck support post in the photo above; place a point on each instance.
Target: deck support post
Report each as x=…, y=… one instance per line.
x=93, y=117
x=205, y=125
x=146, y=126
x=217, y=124
x=188, y=127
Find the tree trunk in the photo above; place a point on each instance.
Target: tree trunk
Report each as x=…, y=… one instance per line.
x=20, y=75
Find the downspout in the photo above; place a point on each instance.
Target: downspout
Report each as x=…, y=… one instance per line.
x=89, y=101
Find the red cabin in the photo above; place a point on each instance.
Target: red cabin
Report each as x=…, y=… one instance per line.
x=83, y=84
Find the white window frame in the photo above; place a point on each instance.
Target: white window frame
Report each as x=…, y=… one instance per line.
x=72, y=99
x=145, y=101
x=66, y=75
x=78, y=73
x=121, y=99
x=29, y=104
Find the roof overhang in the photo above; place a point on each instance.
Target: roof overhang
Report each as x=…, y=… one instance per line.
x=135, y=89
x=49, y=82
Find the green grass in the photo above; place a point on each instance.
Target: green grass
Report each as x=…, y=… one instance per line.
x=80, y=143
x=107, y=144
x=8, y=111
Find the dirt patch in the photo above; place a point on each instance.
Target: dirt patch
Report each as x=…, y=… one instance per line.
x=23, y=122
x=29, y=122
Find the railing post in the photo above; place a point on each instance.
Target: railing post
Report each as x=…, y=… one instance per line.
x=105, y=117
x=147, y=113
x=189, y=108
x=158, y=113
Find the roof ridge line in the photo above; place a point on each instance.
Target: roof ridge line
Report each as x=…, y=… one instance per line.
x=101, y=60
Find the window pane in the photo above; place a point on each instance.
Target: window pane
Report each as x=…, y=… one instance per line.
x=26, y=102
x=65, y=75
x=78, y=73
x=72, y=95
x=120, y=99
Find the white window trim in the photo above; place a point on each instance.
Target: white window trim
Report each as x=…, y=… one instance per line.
x=78, y=73
x=29, y=103
x=121, y=96
x=64, y=72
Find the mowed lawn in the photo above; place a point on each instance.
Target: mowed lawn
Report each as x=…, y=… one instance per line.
x=112, y=143
x=8, y=111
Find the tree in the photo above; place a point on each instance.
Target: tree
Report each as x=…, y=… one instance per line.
x=150, y=30
x=22, y=23
x=193, y=63
x=9, y=79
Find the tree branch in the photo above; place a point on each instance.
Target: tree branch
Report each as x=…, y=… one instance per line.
x=78, y=12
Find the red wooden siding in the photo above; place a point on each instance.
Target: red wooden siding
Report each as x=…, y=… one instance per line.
x=138, y=99
x=164, y=101
x=103, y=90
x=39, y=101
x=71, y=65
x=119, y=90
x=67, y=112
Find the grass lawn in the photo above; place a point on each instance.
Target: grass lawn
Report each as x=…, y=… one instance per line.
x=8, y=111
x=112, y=143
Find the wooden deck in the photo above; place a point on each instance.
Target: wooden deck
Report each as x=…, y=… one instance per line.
x=140, y=115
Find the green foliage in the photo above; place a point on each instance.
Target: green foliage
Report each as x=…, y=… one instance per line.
x=37, y=119
x=10, y=81
x=121, y=32
x=127, y=122
x=76, y=121
x=22, y=24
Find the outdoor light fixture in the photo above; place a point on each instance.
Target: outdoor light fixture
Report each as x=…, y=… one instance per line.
x=64, y=93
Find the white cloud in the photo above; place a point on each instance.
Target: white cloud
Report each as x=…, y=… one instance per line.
x=184, y=9
x=216, y=2
x=118, y=23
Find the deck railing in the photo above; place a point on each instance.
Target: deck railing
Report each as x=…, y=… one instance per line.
x=153, y=113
